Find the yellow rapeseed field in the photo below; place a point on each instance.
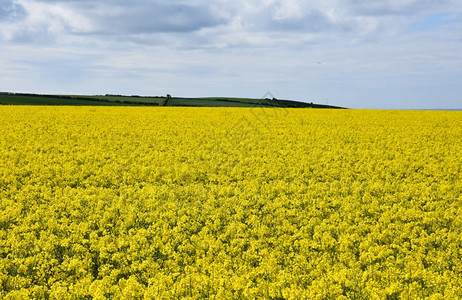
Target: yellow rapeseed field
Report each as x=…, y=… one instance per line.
x=229, y=203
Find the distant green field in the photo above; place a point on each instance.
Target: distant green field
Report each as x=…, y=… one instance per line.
x=15, y=99
x=128, y=100
x=119, y=100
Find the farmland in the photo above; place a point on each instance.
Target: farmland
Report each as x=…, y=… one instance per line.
x=229, y=203
x=136, y=100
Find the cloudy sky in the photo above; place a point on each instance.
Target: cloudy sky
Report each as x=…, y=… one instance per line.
x=390, y=54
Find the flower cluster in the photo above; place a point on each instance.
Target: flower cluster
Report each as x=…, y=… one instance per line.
x=229, y=203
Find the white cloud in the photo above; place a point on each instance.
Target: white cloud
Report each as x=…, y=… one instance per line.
x=152, y=21
x=250, y=46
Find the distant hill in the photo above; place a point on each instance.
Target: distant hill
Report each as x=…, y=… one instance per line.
x=135, y=100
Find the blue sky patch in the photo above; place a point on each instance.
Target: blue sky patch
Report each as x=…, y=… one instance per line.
x=432, y=21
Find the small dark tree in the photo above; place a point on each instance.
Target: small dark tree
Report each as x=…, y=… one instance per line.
x=166, y=100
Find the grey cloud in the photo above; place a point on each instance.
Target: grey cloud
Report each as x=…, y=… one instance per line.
x=197, y=23
x=140, y=17
x=312, y=21
x=157, y=18
x=10, y=11
x=116, y=20
x=306, y=20
x=39, y=35
x=268, y=18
